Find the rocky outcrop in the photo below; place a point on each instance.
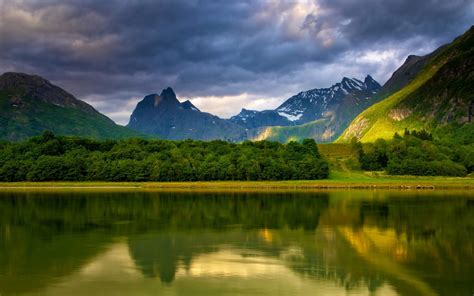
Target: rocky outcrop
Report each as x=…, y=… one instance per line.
x=167, y=118
x=399, y=114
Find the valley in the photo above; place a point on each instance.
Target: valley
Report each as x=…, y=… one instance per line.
x=236, y=148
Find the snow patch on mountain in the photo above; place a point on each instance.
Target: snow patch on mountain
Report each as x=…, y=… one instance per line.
x=310, y=105
x=291, y=117
x=307, y=105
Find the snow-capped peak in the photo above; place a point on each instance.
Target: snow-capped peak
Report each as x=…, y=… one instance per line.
x=319, y=99
x=310, y=105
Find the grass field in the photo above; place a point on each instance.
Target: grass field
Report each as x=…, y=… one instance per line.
x=338, y=179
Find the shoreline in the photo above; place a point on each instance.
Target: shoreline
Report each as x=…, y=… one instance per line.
x=401, y=183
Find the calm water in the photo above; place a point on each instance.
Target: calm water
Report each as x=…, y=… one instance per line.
x=277, y=243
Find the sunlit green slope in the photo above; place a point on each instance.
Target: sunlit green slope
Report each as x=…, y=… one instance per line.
x=311, y=130
x=440, y=97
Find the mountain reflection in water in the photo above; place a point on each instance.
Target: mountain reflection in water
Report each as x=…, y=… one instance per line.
x=195, y=243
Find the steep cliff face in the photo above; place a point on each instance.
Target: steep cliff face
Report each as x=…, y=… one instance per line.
x=164, y=116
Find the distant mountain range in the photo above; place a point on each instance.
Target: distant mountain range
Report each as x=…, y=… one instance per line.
x=165, y=117
x=430, y=92
x=321, y=114
x=309, y=105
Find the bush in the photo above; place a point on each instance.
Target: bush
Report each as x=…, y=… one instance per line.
x=418, y=167
x=416, y=154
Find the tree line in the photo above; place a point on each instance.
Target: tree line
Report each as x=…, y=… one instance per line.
x=416, y=153
x=58, y=158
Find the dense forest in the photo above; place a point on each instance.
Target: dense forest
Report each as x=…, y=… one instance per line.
x=417, y=153
x=58, y=158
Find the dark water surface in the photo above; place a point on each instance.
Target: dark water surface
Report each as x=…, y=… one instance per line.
x=237, y=243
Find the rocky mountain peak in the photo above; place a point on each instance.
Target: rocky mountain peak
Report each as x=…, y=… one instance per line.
x=348, y=85
x=164, y=116
x=368, y=78
x=312, y=104
x=187, y=105
x=167, y=98
x=371, y=84
x=168, y=93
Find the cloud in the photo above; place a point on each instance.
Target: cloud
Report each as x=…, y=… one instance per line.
x=226, y=105
x=224, y=55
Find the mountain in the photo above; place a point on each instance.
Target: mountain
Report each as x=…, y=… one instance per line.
x=441, y=94
x=312, y=104
x=164, y=116
x=406, y=73
x=309, y=105
x=30, y=104
x=253, y=119
x=320, y=114
x=167, y=118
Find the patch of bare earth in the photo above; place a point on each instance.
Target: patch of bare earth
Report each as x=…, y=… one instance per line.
x=399, y=114
x=356, y=129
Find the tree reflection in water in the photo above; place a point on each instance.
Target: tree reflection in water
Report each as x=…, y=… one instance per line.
x=417, y=242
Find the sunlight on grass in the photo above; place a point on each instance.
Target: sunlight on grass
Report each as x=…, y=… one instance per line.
x=380, y=125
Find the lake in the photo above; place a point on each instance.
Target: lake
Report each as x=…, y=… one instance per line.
x=338, y=242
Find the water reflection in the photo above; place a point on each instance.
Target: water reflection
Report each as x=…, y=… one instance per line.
x=330, y=242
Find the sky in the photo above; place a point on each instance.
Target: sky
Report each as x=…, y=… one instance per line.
x=223, y=55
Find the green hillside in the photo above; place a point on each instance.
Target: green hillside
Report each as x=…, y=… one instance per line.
x=441, y=96
x=283, y=134
x=30, y=105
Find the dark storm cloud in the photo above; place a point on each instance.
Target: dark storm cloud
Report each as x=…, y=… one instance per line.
x=394, y=20
x=109, y=52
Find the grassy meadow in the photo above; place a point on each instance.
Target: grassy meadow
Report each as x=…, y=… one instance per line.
x=337, y=179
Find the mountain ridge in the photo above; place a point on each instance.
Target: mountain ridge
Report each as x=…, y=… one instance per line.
x=441, y=93
x=30, y=104
x=164, y=116
x=332, y=95
x=425, y=92
x=38, y=88
x=307, y=106
x=321, y=113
